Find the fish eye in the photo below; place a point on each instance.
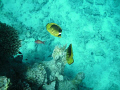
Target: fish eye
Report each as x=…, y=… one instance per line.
x=59, y=35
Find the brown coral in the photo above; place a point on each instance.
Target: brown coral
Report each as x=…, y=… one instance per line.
x=9, y=41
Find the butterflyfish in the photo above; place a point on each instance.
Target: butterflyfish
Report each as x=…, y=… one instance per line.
x=54, y=29
x=69, y=55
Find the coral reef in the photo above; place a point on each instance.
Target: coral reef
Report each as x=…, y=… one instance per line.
x=55, y=67
x=72, y=84
x=59, y=53
x=4, y=82
x=20, y=86
x=47, y=75
x=67, y=85
x=55, y=72
x=9, y=41
x=79, y=77
x=36, y=74
x=51, y=86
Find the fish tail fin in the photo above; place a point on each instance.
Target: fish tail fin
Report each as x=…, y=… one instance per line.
x=43, y=42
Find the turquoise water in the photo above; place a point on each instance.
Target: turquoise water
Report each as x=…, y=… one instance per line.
x=91, y=26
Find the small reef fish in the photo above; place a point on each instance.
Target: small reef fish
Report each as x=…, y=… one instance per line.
x=39, y=42
x=69, y=55
x=54, y=29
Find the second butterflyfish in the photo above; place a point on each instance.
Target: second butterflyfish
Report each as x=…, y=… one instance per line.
x=54, y=29
x=69, y=55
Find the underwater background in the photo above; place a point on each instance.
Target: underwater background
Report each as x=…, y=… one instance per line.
x=91, y=26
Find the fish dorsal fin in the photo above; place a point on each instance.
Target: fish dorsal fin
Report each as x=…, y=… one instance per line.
x=69, y=50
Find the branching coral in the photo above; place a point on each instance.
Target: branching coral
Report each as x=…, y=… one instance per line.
x=20, y=85
x=55, y=67
x=78, y=79
x=59, y=54
x=4, y=81
x=73, y=83
x=36, y=74
x=9, y=41
x=67, y=85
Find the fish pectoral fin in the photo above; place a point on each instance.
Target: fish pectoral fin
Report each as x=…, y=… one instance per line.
x=70, y=61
